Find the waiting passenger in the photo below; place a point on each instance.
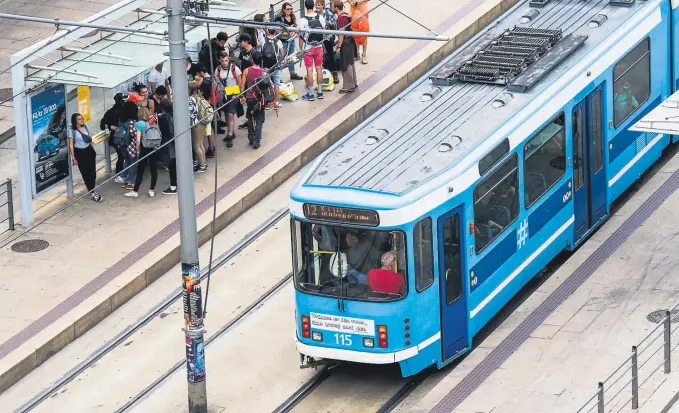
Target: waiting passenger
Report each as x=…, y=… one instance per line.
x=385, y=280
x=625, y=102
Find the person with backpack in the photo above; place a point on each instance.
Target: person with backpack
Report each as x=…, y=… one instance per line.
x=312, y=43
x=200, y=115
x=218, y=45
x=230, y=77
x=110, y=121
x=247, y=48
x=255, y=86
x=148, y=141
x=272, y=52
x=287, y=16
x=346, y=47
x=84, y=155
x=125, y=137
x=167, y=153
x=213, y=92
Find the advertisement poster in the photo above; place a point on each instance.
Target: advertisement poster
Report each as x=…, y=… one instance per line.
x=48, y=132
x=84, y=102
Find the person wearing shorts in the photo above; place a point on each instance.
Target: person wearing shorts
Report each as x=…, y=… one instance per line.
x=313, y=56
x=230, y=76
x=271, y=64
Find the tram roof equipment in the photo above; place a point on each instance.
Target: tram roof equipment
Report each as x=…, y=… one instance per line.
x=428, y=132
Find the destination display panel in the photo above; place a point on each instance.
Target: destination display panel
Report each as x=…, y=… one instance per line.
x=341, y=214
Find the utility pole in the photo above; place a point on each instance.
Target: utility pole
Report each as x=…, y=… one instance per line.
x=188, y=231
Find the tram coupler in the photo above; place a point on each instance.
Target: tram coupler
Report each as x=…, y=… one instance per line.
x=311, y=363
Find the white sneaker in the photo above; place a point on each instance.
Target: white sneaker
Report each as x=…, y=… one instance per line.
x=132, y=194
x=152, y=193
x=119, y=180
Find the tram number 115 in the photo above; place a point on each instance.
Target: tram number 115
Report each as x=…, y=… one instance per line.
x=343, y=339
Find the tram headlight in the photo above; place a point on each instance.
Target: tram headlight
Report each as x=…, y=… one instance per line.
x=317, y=336
x=368, y=342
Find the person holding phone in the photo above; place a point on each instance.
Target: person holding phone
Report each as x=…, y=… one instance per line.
x=83, y=154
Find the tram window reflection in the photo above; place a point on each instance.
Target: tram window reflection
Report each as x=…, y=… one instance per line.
x=423, y=254
x=544, y=160
x=350, y=263
x=631, y=82
x=496, y=202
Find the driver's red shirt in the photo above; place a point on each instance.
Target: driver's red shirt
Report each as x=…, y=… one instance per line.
x=386, y=281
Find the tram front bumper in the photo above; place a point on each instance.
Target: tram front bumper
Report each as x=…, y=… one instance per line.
x=319, y=352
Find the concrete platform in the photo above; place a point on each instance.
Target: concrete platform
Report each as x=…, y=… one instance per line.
x=101, y=255
x=582, y=322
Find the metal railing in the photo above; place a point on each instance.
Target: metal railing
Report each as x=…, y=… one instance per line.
x=6, y=191
x=639, y=367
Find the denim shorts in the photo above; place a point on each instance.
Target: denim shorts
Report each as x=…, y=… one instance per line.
x=277, y=77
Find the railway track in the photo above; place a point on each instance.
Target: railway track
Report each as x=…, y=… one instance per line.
x=176, y=295
x=325, y=373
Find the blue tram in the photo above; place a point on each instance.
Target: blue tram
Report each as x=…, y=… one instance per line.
x=416, y=228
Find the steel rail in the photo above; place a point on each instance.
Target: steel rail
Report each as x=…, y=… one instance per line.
x=109, y=346
x=224, y=329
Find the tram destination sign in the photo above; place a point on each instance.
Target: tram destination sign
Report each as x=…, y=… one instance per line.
x=342, y=214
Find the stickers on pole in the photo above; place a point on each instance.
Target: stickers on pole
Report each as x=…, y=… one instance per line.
x=195, y=357
x=193, y=299
x=49, y=145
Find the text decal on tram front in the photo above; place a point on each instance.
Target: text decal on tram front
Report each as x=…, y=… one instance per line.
x=342, y=214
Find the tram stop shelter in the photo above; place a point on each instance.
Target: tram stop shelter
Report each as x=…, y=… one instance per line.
x=79, y=69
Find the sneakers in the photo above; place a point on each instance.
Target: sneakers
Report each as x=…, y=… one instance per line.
x=243, y=126
x=295, y=76
x=365, y=59
x=320, y=95
x=229, y=140
x=152, y=193
x=170, y=191
x=344, y=91
x=201, y=169
x=210, y=153
x=255, y=143
x=308, y=98
x=118, y=180
x=128, y=185
x=132, y=194
x=96, y=197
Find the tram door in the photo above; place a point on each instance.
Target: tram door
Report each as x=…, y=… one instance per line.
x=589, y=174
x=453, y=297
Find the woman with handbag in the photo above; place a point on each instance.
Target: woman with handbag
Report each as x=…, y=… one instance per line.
x=83, y=153
x=230, y=76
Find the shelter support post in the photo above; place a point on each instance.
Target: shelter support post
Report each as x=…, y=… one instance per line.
x=21, y=117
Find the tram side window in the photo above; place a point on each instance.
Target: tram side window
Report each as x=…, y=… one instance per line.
x=631, y=82
x=544, y=160
x=424, y=260
x=496, y=202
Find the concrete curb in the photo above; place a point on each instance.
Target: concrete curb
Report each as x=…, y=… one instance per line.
x=165, y=264
x=7, y=135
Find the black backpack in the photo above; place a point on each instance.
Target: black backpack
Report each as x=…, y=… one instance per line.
x=315, y=23
x=269, y=53
x=266, y=92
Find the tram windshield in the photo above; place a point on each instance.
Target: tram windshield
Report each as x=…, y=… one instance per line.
x=350, y=263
